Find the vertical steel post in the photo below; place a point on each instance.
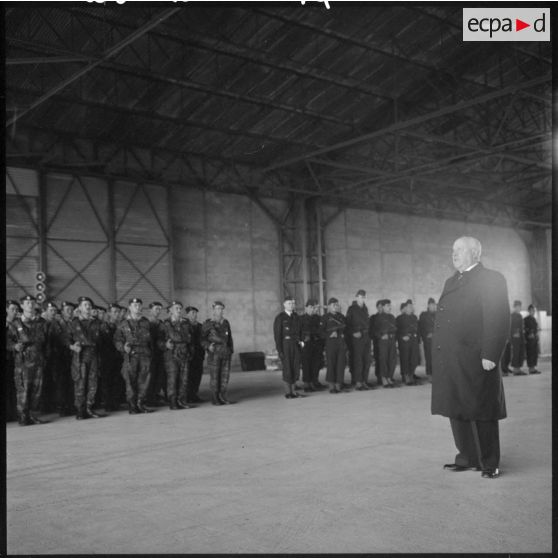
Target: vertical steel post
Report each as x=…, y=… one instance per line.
x=304, y=249
x=111, y=239
x=320, y=254
x=170, y=236
x=42, y=222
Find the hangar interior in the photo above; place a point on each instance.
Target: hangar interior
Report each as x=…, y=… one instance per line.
x=253, y=150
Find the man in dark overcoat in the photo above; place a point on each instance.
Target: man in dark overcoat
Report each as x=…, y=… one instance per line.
x=471, y=328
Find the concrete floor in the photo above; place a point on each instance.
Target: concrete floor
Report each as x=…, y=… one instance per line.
x=355, y=472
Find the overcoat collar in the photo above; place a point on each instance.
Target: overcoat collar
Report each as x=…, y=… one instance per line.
x=456, y=283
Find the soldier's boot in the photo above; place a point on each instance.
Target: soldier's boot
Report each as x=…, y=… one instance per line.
x=36, y=420
x=133, y=409
x=24, y=419
x=143, y=409
x=91, y=413
x=182, y=404
x=81, y=414
x=215, y=399
x=173, y=404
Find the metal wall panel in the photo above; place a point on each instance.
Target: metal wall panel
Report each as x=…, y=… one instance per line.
x=22, y=235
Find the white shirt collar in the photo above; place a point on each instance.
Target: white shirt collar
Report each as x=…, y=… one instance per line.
x=471, y=267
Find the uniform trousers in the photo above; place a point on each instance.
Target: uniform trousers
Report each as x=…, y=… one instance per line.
x=376, y=359
x=336, y=360
x=387, y=356
x=136, y=371
x=532, y=350
x=28, y=379
x=311, y=361
x=195, y=374
x=408, y=357
x=517, y=352
x=64, y=389
x=360, y=355
x=427, y=345
x=291, y=361
x=489, y=442
x=85, y=372
x=219, y=367
x=177, y=376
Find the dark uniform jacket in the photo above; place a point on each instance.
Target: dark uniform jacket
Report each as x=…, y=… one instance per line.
x=531, y=328
x=33, y=334
x=286, y=328
x=333, y=326
x=358, y=319
x=310, y=327
x=516, y=326
x=135, y=332
x=384, y=324
x=472, y=323
x=179, y=332
x=407, y=326
x=198, y=352
x=426, y=325
x=218, y=334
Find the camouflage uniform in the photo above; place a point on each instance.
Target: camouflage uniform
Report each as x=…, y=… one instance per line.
x=9, y=385
x=136, y=367
x=196, y=364
x=29, y=363
x=85, y=364
x=110, y=364
x=218, y=335
x=158, y=382
x=177, y=359
x=63, y=375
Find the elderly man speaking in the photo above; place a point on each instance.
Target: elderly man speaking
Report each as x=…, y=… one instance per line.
x=471, y=327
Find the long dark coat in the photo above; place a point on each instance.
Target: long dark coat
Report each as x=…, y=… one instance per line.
x=472, y=323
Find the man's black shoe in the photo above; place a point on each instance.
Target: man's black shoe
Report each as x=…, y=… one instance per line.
x=24, y=420
x=534, y=372
x=490, y=473
x=458, y=468
x=91, y=413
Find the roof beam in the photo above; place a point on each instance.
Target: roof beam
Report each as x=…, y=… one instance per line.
x=157, y=20
x=403, y=124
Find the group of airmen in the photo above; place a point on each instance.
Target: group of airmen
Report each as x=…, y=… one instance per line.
x=352, y=338
x=81, y=357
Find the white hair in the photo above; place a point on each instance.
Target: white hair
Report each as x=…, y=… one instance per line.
x=473, y=245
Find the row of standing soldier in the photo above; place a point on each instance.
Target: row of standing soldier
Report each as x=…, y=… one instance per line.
x=142, y=356
x=301, y=340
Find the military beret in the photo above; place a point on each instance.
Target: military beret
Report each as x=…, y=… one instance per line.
x=386, y=301
x=361, y=292
x=332, y=300
x=135, y=300
x=431, y=301
x=28, y=297
x=114, y=305
x=311, y=302
x=68, y=303
x=191, y=309
x=101, y=308
x=11, y=301
x=517, y=302
x=218, y=303
x=51, y=304
x=408, y=301
x=85, y=298
x=152, y=304
x=174, y=303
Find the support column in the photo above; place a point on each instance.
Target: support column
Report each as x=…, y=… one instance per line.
x=304, y=250
x=111, y=239
x=170, y=252
x=42, y=223
x=320, y=255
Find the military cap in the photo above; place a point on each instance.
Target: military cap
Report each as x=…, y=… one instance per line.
x=28, y=297
x=173, y=303
x=288, y=298
x=83, y=299
x=114, y=305
x=361, y=292
x=12, y=301
x=386, y=301
x=68, y=303
x=135, y=299
x=431, y=301
x=217, y=303
x=332, y=300
x=379, y=302
x=530, y=307
x=101, y=308
x=191, y=309
x=517, y=302
x=311, y=302
x=408, y=301
x=152, y=304
x=50, y=304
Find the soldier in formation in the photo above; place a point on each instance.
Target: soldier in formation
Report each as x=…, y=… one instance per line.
x=426, y=330
x=313, y=348
x=195, y=372
x=514, y=351
x=384, y=331
x=357, y=333
x=287, y=332
x=12, y=310
x=218, y=342
x=531, y=329
x=408, y=343
x=333, y=332
x=157, y=393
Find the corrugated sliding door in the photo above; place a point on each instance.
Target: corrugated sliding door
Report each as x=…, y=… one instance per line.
x=22, y=231
x=142, y=242
x=77, y=238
